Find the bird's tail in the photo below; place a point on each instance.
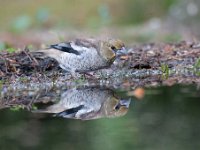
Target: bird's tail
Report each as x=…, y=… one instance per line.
x=41, y=111
x=53, y=53
x=50, y=109
x=40, y=53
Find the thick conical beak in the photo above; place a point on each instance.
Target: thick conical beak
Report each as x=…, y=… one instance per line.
x=122, y=51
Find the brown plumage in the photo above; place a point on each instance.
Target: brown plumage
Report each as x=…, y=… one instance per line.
x=84, y=55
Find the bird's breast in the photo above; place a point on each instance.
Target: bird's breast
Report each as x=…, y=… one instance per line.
x=84, y=62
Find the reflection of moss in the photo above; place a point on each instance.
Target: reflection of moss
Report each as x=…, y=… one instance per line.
x=17, y=108
x=34, y=107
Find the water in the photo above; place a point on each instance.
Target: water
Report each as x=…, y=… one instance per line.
x=166, y=118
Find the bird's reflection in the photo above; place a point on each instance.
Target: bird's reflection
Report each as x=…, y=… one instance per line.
x=86, y=104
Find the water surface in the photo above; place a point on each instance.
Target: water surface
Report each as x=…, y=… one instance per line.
x=166, y=118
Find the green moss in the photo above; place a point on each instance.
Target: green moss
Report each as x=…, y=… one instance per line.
x=10, y=50
x=165, y=71
x=196, y=67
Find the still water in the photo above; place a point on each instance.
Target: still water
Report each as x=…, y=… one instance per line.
x=101, y=118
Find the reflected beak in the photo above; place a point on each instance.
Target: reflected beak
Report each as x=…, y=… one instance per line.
x=125, y=102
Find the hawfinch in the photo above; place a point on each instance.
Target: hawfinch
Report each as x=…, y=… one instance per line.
x=82, y=55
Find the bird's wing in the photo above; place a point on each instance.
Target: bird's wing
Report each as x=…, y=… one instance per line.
x=65, y=47
x=86, y=43
x=77, y=46
x=70, y=113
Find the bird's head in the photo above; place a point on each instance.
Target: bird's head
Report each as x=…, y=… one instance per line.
x=109, y=48
x=115, y=107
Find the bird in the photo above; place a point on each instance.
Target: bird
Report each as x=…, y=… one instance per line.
x=83, y=55
x=87, y=104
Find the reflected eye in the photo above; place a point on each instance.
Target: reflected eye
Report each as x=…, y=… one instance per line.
x=117, y=107
x=113, y=47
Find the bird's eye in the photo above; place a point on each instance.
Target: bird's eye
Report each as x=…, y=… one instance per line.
x=113, y=47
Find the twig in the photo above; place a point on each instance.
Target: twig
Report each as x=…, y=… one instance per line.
x=30, y=56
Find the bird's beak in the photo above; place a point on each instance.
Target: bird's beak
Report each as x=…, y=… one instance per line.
x=125, y=102
x=122, y=51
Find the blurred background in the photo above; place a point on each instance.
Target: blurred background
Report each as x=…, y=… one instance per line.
x=36, y=22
